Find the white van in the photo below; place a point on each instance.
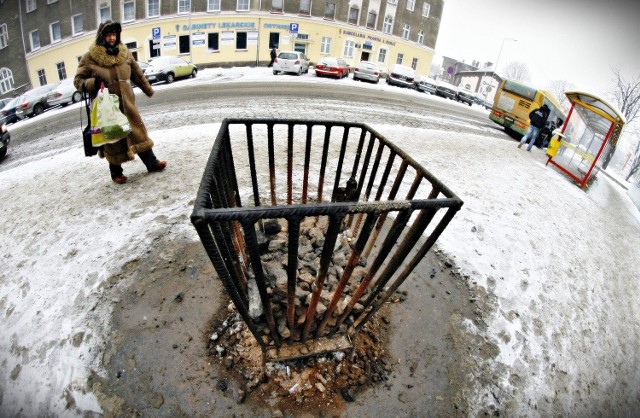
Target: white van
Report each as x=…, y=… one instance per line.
x=402, y=76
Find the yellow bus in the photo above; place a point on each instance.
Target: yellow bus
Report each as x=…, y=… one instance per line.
x=515, y=100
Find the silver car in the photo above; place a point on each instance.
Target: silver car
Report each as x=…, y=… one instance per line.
x=291, y=62
x=425, y=84
x=34, y=101
x=64, y=94
x=367, y=71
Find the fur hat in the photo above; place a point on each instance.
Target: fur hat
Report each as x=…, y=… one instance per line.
x=108, y=27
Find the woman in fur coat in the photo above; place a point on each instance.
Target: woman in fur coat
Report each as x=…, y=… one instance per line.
x=110, y=62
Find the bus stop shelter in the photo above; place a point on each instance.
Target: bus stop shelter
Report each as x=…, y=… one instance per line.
x=588, y=138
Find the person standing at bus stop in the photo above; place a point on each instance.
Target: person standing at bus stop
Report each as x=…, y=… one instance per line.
x=537, y=120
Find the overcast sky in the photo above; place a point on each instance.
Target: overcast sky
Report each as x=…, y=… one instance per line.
x=573, y=40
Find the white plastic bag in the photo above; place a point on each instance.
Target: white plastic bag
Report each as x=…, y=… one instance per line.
x=107, y=120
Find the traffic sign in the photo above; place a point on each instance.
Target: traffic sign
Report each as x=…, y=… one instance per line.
x=293, y=27
x=155, y=33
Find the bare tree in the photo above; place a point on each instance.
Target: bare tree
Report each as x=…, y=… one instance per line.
x=558, y=87
x=635, y=156
x=517, y=70
x=625, y=95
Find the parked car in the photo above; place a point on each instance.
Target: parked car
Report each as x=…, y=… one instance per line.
x=465, y=96
x=479, y=100
x=367, y=71
x=425, y=84
x=3, y=102
x=402, y=76
x=8, y=112
x=291, y=62
x=64, y=94
x=168, y=69
x=5, y=138
x=446, y=90
x=33, y=102
x=143, y=66
x=331, y=66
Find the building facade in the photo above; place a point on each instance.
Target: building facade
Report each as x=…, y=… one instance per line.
x=42, y=41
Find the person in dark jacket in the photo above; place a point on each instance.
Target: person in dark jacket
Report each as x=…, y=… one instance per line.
x=538, y=118
x=110, y=62
x=273, y=57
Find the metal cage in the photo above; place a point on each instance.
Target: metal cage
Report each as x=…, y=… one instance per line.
x=342, y=253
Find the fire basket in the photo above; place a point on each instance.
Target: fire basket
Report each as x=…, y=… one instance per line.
x=312, y=225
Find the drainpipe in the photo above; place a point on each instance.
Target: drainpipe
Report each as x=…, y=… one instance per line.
x=24, y=46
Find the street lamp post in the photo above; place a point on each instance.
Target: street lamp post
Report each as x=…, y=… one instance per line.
x=495, y=68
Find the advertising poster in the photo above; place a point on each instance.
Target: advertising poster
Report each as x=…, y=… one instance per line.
x=169, y=42
x=252, y=37
x=227, y=38
x=198, y=39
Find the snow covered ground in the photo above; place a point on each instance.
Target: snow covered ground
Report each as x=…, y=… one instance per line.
x=561, y=263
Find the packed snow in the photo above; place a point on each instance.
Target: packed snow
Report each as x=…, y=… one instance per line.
x=561, y=262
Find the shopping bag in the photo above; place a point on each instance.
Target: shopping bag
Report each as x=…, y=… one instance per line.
x=89, y=149
x=108, y=124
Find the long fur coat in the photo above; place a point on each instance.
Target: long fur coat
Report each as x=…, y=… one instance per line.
x=117, y=71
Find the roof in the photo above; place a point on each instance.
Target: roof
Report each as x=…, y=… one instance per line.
x=597, y=113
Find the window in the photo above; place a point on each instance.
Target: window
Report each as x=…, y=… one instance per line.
x=329, y=10
x=405, y=31
x=241, y=40
x=128, y=10
x=382, y=55
x=184, y=6
x=277, y=6
x=425, y=9
x=6, y=80
x=305, y=7
x=400, y=59
x=31, y=5
x=325, y=46
x=54, y=32
x=371, y=20
x=242, y=6
x=184, y=44
x=42, y=78
x=34, y=37
x=421, y=36
x=353, y=16
x=62, y=71
x=213, y=41
x=153, y=8
x=105, y=13
x=387, y=24
x=414, y=63
x=213, y=5
x=348, y=48
x=411, y=4
x=76, y=24
x=4, y=36
x=51, y=1
x=392, y=1
x=274, y=40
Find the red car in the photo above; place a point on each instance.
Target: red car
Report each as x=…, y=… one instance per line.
x=334, y=67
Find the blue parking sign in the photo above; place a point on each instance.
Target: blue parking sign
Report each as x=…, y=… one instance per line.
x=155, y=33
x=293, y=27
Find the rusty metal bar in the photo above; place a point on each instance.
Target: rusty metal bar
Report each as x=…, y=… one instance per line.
x=323, y=164
x=343, y=149
x=327, y=252
x=365, y=316
x=307, y=158
x=348, y=270
x=272, y=164
x=392, y=195
x=290, y=165
x=292, y=271
x=252, y=165
x=258, y=273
